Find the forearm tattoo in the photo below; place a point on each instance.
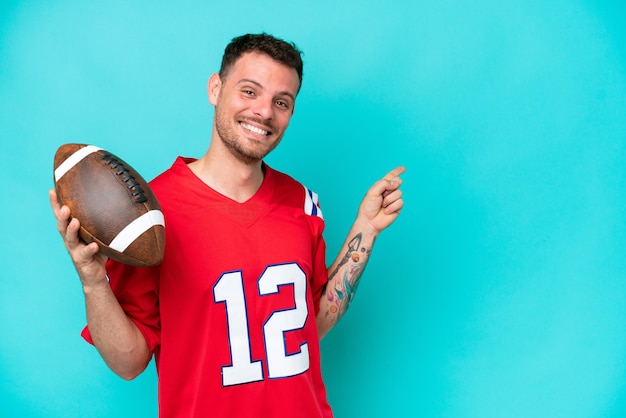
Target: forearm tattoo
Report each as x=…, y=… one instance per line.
x=340, y=290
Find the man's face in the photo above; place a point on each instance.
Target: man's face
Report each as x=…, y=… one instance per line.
x=253, y=105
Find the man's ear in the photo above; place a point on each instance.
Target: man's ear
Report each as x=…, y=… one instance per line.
x=213, y=88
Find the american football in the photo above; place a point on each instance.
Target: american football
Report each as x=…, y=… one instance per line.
x=114, y=204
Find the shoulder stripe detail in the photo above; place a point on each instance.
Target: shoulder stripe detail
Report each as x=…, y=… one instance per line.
x=311, y=204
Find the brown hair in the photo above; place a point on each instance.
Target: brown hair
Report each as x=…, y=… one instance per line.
x=284, y=52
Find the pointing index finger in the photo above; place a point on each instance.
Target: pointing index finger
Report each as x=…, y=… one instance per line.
x=395, y=173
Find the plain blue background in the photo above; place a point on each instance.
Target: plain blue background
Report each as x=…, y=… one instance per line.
x=500, y=291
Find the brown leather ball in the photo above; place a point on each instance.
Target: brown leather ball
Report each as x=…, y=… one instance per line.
x=114, y=204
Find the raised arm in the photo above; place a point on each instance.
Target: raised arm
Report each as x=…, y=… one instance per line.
x=117, y=338
x=379, y=208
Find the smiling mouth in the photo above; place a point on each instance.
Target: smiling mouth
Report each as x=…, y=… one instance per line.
x=254, y=129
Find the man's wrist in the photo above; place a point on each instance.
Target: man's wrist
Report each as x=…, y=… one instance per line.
x=96, y=286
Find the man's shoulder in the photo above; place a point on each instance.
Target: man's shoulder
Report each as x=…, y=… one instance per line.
x=282, y=178
x=177, y=169
x=296, y=193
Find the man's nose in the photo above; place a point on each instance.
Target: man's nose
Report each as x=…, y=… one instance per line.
x=264, y=108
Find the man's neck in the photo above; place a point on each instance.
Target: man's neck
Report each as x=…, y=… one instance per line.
x=230, y=177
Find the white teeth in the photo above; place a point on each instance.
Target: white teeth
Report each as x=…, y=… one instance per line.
x=253, y=129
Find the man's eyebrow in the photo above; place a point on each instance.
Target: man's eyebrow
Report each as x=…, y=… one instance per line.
x=256, y=83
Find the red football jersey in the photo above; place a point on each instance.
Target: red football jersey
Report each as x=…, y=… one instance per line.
x=230, y=312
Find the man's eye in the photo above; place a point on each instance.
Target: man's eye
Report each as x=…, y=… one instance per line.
x=282, y=103
x=248, y=92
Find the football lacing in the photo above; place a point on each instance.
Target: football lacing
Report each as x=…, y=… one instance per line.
x=132, y=185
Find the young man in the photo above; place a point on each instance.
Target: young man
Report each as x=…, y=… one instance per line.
x=234, y=313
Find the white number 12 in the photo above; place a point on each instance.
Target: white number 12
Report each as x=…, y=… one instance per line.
x=229, y=289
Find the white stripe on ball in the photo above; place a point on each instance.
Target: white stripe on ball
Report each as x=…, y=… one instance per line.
x=137, y=227
x=74, y=159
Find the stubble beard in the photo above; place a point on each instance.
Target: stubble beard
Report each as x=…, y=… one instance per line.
x=236, y=144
